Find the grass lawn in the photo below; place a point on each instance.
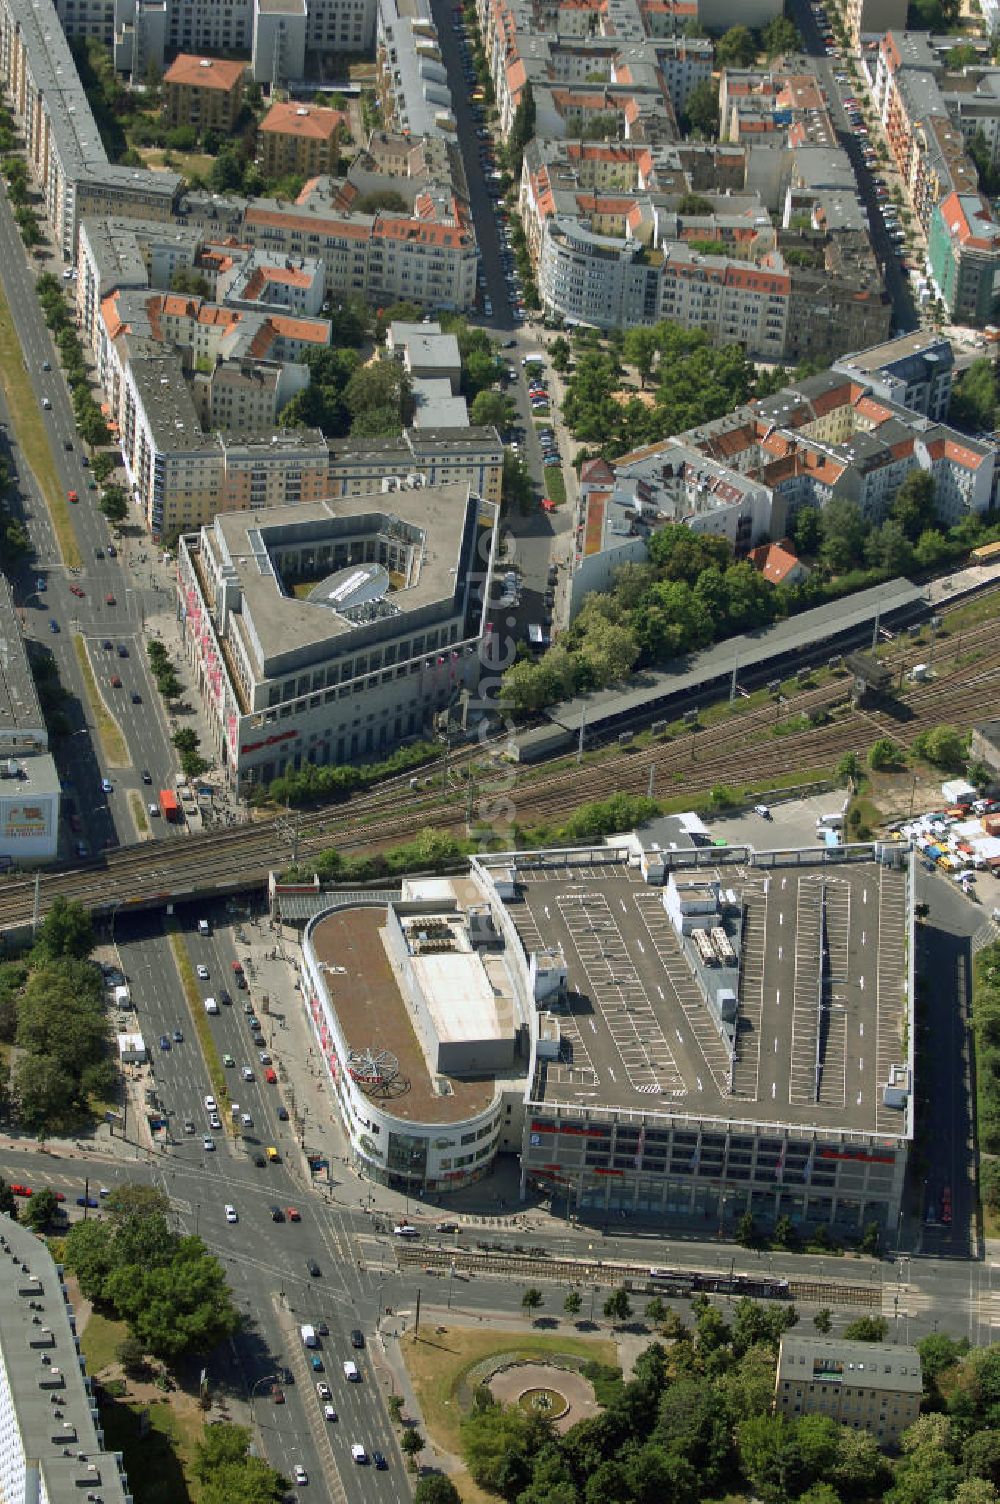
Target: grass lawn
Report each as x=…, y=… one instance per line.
x=32, y=435
x=188, y=163
x=438, y=1360
x=113, y=748
x=554, y=483
x=100, y=1339
x=984, y=609
x=159, y=1463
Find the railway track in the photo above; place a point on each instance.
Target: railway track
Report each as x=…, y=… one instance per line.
x=610, y=1274
x=731, y=750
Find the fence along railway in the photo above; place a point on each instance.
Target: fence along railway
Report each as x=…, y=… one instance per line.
x=241, y=857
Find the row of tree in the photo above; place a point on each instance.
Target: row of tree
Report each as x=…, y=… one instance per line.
x=169, y=1289
x=312, y=784
x=52, y=1008
x=986, y=1033
x=89, y=418
x=163, y=671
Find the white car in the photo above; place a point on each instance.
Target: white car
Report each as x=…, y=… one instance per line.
x=247, y=1073
x=211, y=1104
x=323, y=1390
x=246, y=1120
x=329, y=1413
x=299, y=1473
x=202, y=973
x=208, y=1144
x=231, y=1213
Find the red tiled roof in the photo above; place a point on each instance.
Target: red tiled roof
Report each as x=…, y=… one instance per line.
x=204, y=72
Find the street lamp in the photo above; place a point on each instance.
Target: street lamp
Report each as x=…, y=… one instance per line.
x=265, y=1378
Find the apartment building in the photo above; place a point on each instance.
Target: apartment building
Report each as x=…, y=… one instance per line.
x=853, y=432
x=928, y=119
x=412, y=79
x=256, y=279
x=913, y=371
x=388, y=636
x=963, y=254
x=87, y=18
x=866, y=18
x=276, y=33
x=65, y=157
x=206, y=92
x=299, y=138
x=467, y=456
x=868, y=1386
x=46, y=1395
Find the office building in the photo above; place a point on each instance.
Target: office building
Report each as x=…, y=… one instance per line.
x=389, y=635
x=29, y=781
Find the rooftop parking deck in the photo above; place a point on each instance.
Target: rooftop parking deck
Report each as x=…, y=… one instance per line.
x=637, y=1032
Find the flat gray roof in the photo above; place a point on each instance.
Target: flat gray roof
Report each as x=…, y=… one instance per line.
x=20, y=713
x=864, y=1365
x=748, y=650
x=283, y=624
x=49, y=1395
x=919, y=342
x=638, y=1033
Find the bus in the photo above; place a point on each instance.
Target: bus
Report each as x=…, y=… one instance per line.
x=986, y=553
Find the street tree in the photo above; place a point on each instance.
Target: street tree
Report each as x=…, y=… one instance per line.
x=531, y=1299
x=618, y=1307
x=40, y=1210
x=114, y=504
x=411, y=1444
x=823, y=1320
x=736, y=48
x=866, y=1329
x=913, y=506
x=41, y=1092
x=656, y=1310
x=573, y=1303
x=66, y=931
x=436, y=1488
x=883, y=754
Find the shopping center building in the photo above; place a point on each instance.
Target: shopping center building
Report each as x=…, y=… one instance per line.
x=694, y=1033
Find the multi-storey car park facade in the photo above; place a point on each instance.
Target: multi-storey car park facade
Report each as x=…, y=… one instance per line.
x=390, y=634
x=691, y=1032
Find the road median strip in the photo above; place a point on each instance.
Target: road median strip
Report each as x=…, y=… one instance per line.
x=138, y=812
x=113, y=745
x=199, y=1019
x=32, y=436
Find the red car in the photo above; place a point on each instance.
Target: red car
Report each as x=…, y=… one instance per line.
x=116, y=682
x=238, y=968
x=292, y=1214
x=109, y=600
x=21, y=1190
x=77, y=590
x=72, y=496
x=547, y=505
x=270, y=1077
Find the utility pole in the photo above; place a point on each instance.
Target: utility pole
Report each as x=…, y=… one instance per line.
x=732, y=685
x=652, y=780
x=38, y=901
x=875, y=630
x=579, y=744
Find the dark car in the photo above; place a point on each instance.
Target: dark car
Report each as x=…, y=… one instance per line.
x=260, y=1161
x=90, y=1201
x=136, y=697
x=225, y=998
x=122, y=650
x=379, y=1461
x=357, y=1337
x=107, y=644
x=277, y=1215
x=147, y=776
x=240, y=980
x=283, y=1114
x=313, y=1268
x=322, y=1328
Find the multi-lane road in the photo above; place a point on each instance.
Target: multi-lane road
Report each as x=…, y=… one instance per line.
x=136, y=595
x=267, y=1261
